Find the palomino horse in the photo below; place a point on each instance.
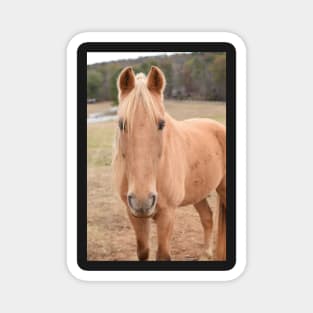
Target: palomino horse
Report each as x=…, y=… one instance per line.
x=161, y=163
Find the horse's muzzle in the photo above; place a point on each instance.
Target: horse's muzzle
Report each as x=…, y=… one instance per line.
x=142, y=208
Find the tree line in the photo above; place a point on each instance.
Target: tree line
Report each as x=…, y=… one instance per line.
x=197, y=76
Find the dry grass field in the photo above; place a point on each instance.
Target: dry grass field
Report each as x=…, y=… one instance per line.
x=110, y=235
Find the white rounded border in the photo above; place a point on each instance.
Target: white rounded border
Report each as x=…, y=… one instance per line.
x=72, y=47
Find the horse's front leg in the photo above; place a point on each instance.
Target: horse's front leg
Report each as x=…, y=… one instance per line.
x=165, y=224
x=142, y=231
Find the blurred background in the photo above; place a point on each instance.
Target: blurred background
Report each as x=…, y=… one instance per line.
x=196, y=87
x=198, y=76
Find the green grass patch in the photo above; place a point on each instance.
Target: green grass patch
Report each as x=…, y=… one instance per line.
x=100, y=138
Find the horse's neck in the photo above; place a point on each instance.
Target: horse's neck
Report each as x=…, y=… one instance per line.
x=172, y=129
x=173, y=163
x=173, y=140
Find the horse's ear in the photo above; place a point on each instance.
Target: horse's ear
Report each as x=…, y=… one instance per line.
x=126, y=81
x=156, y=80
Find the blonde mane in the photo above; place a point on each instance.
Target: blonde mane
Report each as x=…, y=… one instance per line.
x=139, y=97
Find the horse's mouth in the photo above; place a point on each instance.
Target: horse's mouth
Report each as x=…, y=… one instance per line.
x=142, y=213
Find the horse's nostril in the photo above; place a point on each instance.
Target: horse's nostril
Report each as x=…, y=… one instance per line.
x=152, y=199
x=130, y=199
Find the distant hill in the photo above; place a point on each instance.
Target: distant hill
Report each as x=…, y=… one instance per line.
x=198, y=75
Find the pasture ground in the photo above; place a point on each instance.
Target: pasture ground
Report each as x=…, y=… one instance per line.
x=110, y=234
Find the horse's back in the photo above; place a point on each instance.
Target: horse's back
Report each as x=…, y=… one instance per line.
x=205, y=124
x=204, y=133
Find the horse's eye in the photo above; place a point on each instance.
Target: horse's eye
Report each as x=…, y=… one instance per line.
x=121, y=125
x=161, y=124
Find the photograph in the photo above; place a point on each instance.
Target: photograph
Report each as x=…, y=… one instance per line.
x=156, y=156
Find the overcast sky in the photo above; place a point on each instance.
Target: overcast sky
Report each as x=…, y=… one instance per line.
x=98, y=57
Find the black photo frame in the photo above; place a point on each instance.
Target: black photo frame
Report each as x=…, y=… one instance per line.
x=82, y=260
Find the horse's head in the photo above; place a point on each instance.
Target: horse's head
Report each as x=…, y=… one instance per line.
x=140, y=136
